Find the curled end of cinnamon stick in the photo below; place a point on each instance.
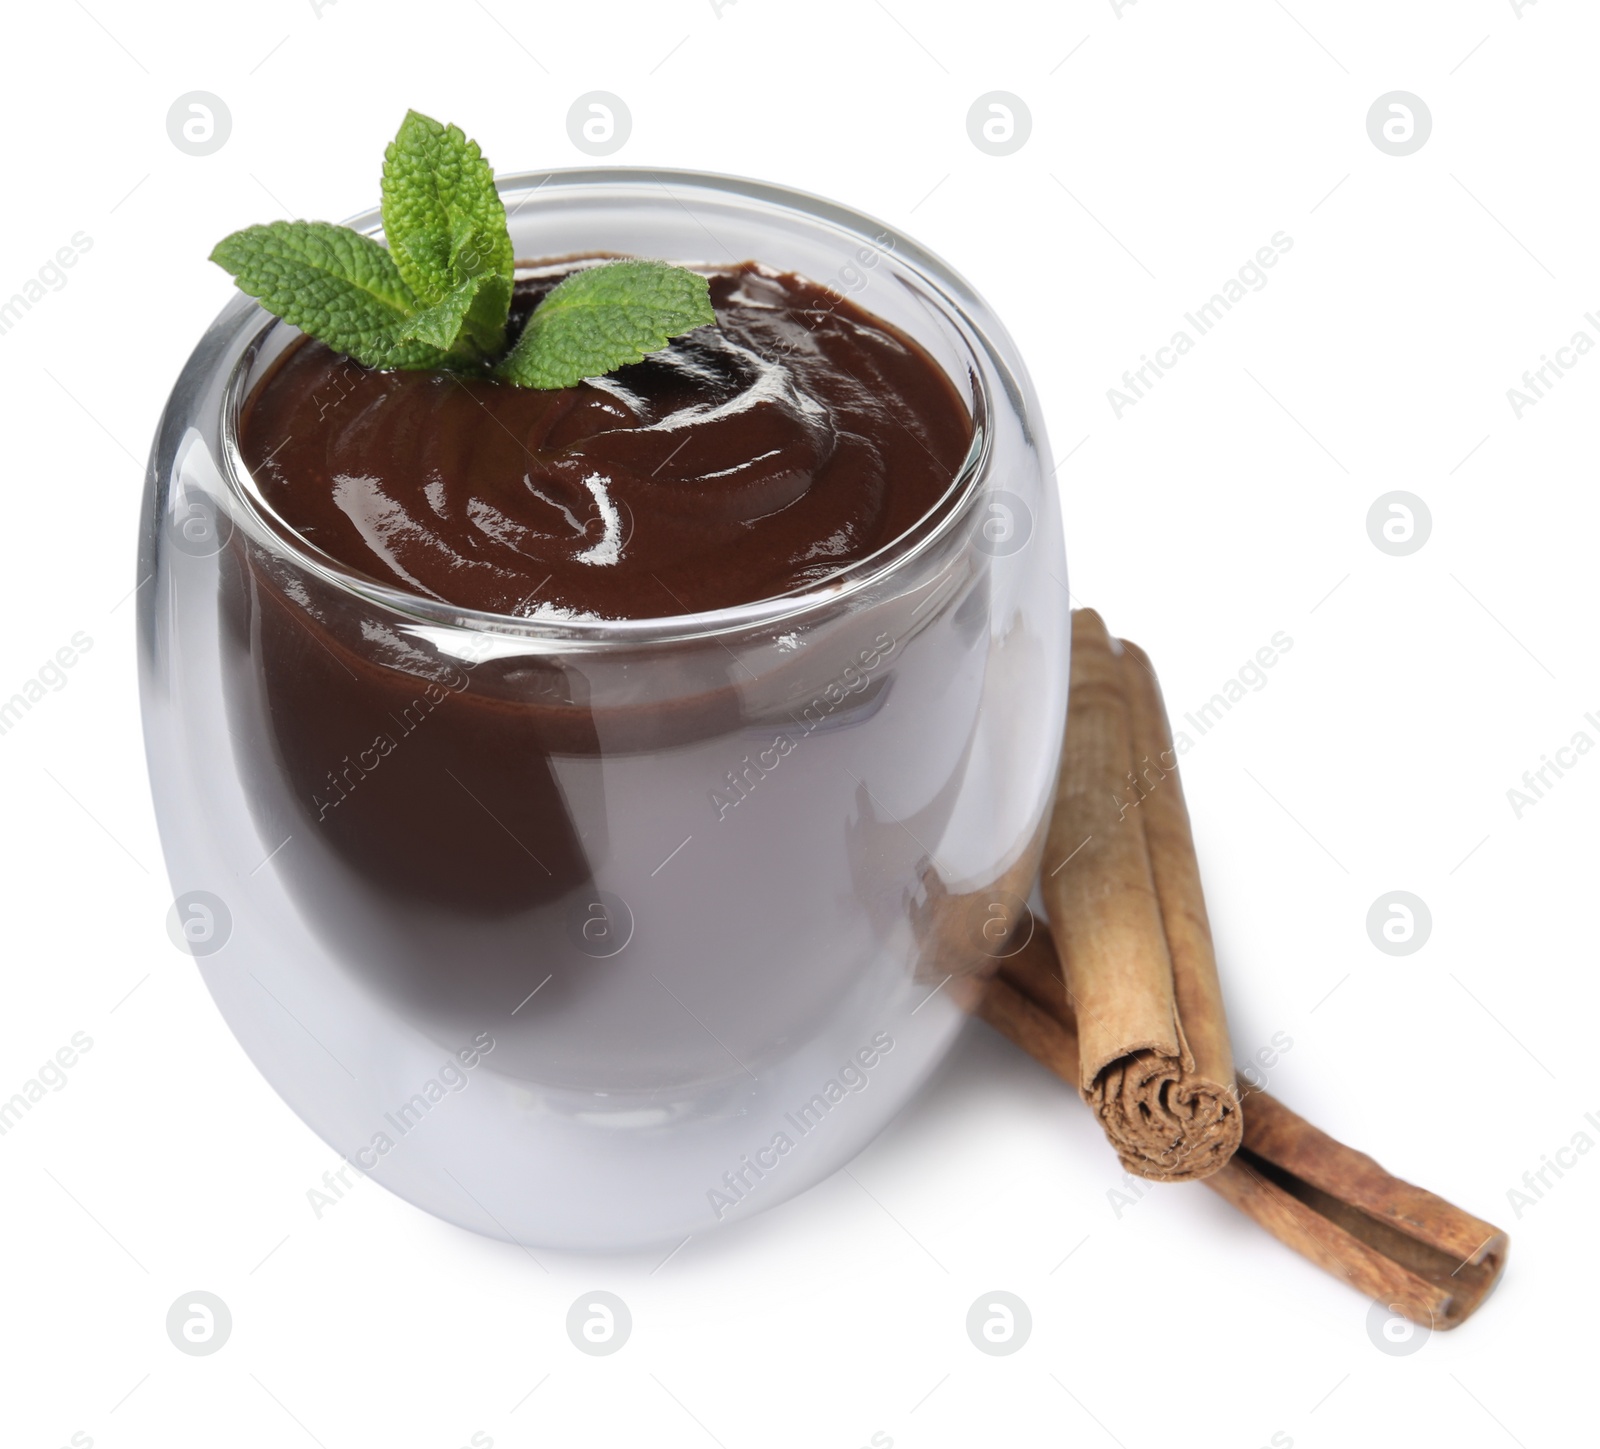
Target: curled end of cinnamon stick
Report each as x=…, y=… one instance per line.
x=1166, y=1123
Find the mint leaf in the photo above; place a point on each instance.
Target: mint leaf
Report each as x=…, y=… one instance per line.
x=446, y=227
x=441, y=324
x=596, y=320
x=341, y=287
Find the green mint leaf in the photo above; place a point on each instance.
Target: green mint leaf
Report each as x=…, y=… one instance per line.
x=441, y=324
x=446, y=226
x=603, y=317
x=341, y=287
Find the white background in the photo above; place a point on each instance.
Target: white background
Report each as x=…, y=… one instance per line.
x=1168, y=144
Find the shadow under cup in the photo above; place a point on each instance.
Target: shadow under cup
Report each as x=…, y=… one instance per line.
x=590, y=934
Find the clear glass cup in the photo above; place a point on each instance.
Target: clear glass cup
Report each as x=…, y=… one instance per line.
x=596, y=935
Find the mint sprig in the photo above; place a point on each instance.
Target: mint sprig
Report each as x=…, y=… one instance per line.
x=446, y=228
x=439, y=295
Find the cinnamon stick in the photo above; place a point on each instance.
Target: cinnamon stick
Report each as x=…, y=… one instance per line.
x=1164, y=812
x=1123, y=895
x=1395, y=1242
x=1390, y=1240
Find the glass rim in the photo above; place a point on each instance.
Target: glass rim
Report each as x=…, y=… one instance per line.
x=954, y=296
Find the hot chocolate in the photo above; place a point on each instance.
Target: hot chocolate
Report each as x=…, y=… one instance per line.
x=686, y=733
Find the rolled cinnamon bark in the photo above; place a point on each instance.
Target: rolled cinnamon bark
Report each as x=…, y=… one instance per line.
x=1394, y=1242
x=1123, y=896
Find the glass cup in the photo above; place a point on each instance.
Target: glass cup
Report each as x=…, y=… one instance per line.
x=594, y=935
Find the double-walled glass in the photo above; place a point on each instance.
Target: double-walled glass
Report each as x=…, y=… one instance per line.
x=598, y=934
